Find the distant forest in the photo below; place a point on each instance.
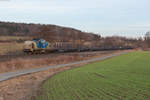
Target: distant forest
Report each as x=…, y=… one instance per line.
x=18, y=29
x=38, y=30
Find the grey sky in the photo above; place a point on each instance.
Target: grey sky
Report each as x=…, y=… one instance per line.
x=107, y=17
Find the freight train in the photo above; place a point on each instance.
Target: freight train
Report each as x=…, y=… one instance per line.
x=37, y=46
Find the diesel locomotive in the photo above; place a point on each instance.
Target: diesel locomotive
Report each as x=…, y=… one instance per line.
x=37, y=46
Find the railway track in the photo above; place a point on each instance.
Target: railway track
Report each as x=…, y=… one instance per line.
x=10, y=75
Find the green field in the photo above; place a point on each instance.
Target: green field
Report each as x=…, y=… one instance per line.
x=125, y=77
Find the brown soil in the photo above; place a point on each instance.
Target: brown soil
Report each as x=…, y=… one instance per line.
x=21, y=88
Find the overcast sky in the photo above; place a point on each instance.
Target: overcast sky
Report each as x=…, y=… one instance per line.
x=106, y=17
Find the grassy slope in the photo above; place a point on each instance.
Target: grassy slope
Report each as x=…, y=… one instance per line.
x=11, y=38
x=11, y=46
x=126, y=77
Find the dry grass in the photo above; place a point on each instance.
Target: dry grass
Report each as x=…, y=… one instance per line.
x=8, y=44
x=6, y=48
x=21, y=63
x=13, y=38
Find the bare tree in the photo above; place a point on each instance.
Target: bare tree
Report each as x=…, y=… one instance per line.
x=147, y=39
x=47, y=33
